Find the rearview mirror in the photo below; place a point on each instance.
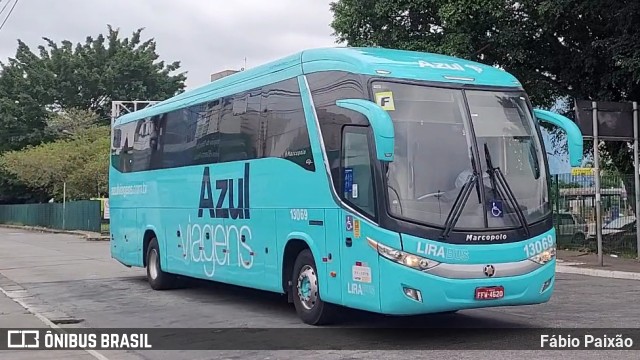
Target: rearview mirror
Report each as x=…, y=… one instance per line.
x=574, y=135
x=381, y=124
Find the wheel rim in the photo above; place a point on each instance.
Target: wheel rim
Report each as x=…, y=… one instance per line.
x=153, y=262
x=307, y=287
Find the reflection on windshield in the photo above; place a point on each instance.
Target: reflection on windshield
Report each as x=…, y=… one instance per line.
x=434, y=152
x=503, y=123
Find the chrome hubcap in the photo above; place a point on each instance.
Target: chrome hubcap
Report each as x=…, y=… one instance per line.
x=153, y=264
x=307, y=287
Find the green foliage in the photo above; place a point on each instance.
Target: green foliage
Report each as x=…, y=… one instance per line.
x=86, y=76
x=71, y=121
x=584, y=49
x=81, y=161
x=41, y=91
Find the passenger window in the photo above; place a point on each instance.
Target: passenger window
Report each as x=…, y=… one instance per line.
x=357, y=172
x=287, y=135
x=234, y=146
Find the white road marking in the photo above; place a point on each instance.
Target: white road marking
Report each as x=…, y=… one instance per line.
x=15, y=295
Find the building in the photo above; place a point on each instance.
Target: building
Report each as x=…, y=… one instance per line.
x=221, y=74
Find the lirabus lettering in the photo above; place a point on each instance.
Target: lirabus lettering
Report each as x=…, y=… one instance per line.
x=446, y=253
x=360, y=289
x=355, y=289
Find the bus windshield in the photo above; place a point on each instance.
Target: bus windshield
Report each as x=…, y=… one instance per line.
x=443, y=137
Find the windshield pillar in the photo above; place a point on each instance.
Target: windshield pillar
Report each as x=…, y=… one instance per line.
x=482, y=197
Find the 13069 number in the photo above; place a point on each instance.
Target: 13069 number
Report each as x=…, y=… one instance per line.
x=538, y=246
x=299, y=214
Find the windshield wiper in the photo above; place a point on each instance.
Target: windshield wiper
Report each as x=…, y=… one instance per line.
x=458, y=205
x=496, y=176
x=461, y=200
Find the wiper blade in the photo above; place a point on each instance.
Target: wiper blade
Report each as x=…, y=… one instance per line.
x=475, y=172
x=462, y=198
x=496, y=175
x=458, y=204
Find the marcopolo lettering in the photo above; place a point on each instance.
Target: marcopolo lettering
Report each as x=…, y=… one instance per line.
x=235, y=192
x=495, y=237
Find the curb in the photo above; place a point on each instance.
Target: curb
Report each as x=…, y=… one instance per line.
x=88, y=236
x=612, y=274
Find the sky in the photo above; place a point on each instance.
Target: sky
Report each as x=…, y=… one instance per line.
x=206, y=36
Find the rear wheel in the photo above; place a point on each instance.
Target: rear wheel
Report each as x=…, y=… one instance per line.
x=158, y=279
x=306, y=294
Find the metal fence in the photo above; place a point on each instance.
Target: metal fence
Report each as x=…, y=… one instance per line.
x=73, y=215
x=573, y=199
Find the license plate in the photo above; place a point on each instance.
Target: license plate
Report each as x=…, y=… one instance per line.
x=490, y=293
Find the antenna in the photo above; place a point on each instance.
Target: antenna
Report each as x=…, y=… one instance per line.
x=245, y=64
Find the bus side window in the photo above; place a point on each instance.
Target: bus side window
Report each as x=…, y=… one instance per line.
x=357, y=172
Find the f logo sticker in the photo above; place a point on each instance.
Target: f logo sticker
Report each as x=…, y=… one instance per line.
x=385, y=100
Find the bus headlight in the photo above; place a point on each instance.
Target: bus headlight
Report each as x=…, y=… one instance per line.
x=401, y=257
x=545, y=256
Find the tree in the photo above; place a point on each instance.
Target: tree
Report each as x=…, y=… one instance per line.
x=35, y=86
x=85, y=76
x=81, y=160
x=584, y=49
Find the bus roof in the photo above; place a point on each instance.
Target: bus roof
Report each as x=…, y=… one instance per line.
x=379, y=62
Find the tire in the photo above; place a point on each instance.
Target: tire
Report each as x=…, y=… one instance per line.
x=578, y=238
x=158, y=279
x=306, y=295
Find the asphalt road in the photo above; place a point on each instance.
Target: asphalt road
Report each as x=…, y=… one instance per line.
x=70, y=279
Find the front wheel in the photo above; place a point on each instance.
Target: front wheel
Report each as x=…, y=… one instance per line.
x=306, y=297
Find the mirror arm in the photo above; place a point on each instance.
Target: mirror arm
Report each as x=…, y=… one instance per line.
x=574, y=135
x=381, y=124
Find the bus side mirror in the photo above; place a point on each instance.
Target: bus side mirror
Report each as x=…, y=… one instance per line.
x=381, y=124
x=574, y=135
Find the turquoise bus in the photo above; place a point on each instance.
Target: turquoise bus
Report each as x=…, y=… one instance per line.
x=390, y=181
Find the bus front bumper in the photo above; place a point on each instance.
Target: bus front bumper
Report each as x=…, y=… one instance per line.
x=405, y=291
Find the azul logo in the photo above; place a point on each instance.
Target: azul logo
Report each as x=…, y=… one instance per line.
x=436, y=65
x=448, y=66
x=497, y=237
x=238, y=203
x=442, y=252
x=217, y=244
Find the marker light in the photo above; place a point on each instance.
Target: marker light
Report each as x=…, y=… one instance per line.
x=459, y=78
x=546, y=285
x=401, y=257
x=412, y=293
x=545, y=256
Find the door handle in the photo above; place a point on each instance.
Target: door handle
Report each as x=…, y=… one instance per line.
x=348, y=242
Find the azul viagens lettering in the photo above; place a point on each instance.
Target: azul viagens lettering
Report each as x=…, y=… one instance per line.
x=236, y=191
x=219, y=243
